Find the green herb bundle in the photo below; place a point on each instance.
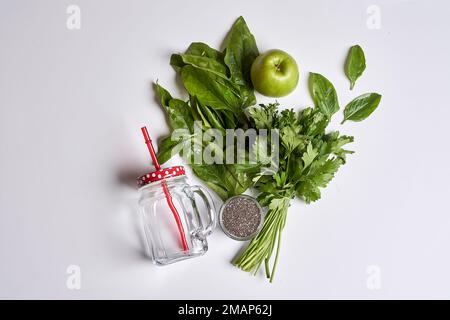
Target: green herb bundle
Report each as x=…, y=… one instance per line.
x=220, y=89
x=221, y=96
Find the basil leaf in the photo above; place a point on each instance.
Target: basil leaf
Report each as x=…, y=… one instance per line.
x=210, y=89
x=241, y=51
x=355, y=64
x=323, y=94
x=361, y=107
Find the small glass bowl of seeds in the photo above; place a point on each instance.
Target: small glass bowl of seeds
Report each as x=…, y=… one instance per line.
x=241, y=217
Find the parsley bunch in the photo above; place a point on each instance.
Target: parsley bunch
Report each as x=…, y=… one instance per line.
x=308, y=159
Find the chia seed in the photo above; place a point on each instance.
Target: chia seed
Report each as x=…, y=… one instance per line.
x=241, y=217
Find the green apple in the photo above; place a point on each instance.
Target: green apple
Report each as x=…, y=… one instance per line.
x=274, y=73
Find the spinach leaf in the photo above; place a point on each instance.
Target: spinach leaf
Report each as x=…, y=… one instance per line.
x=212, y=175
x=165, y=149
x=181, y=118
x=203, y=50
x=323, y=94
x=225, y=180
x=211, y=117
x=204, y=63
x=210, y=89
x=163, y=95
x=361, y=107
x=229, y=119
x=169, y=147
x=179, y=112
x=237, y=181
x=355, y=64
x=203, y=118
x=180, y=115
x=246, y=96
x=209, y=56
x=176, y=62
x=241, y=51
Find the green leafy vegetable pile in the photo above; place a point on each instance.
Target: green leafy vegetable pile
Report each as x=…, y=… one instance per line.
x=221, y=96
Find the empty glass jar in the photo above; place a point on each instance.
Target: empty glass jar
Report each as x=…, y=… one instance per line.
x=176, y=225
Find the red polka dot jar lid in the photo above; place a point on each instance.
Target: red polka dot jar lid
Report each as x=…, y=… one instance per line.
x=160, y=175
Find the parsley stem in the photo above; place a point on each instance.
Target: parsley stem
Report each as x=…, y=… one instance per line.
x=276, y=255
x=267, y=267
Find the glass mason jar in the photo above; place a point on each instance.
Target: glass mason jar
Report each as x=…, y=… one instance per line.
x=175, y=227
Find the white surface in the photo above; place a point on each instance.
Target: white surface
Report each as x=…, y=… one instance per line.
x=72, y=102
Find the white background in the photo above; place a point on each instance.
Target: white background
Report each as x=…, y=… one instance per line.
x=72, y=103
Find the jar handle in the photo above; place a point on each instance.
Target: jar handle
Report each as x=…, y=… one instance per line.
x=206, y=197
